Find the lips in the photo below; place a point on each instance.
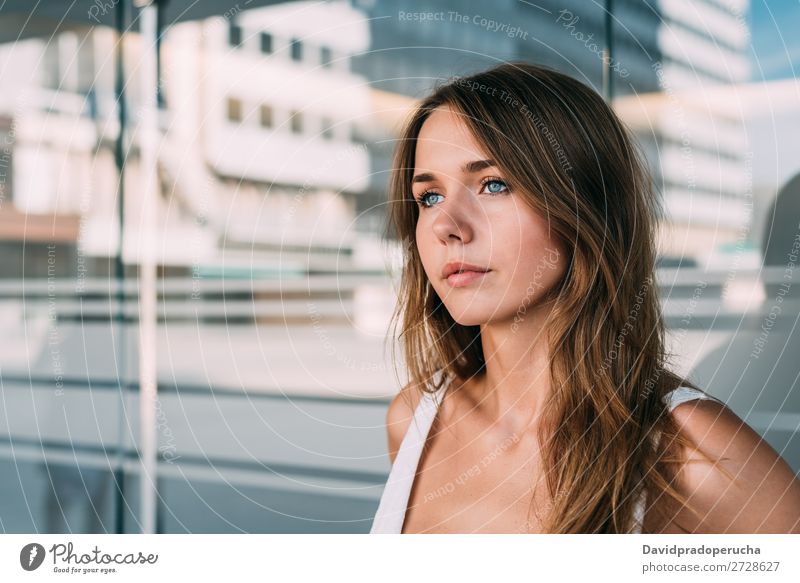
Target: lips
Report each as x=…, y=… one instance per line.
x=457, y=266
x=462, y=278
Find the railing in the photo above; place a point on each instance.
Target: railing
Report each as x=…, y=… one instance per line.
x=271, y=400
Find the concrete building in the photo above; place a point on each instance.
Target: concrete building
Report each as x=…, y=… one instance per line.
x=666, y=55
x=258, y=169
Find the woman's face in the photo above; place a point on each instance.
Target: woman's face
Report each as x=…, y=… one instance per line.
x=468, y=214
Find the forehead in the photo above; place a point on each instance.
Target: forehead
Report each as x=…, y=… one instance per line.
x=445, y=140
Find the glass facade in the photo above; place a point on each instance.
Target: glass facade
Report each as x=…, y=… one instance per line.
x=275, y=281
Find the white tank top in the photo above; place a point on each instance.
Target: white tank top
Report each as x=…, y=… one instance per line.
x=392, y=509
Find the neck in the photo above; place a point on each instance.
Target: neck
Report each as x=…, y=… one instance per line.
x=516, y=383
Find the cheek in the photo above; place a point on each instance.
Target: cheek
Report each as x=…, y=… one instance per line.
x=424, y=244
x=515, y=239
x=420, y=241
x=535, y=257
x=419, y=233
x=545, y=265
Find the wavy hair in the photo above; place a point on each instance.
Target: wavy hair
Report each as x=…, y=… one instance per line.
x=568, y=156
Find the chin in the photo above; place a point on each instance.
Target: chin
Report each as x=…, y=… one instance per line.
x=472, y=315
x=469, y=321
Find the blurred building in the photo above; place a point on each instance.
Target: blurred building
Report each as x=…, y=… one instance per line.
x=258, y=168
x=666, y=55
x=279, y=122
x=261, y=137
x=692, y=130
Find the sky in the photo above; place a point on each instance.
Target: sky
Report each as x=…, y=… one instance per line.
x=775, y=50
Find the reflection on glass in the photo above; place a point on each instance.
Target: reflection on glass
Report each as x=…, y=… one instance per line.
x=277, y=281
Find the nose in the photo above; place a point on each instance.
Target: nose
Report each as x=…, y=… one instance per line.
x=453, y=222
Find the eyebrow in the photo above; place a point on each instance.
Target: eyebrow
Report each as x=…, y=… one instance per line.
x=468, y=168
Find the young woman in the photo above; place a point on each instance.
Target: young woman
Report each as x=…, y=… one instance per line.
x=539, y=400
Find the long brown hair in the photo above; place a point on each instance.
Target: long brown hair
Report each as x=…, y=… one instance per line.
x=571, y=159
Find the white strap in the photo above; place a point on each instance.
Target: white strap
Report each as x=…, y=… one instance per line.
x=684, y=394
x=394, y=501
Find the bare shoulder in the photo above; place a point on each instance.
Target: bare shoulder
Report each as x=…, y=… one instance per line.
x=399, y=415
x=762, y=494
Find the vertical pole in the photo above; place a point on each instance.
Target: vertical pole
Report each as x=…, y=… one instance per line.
x=608, y=79
x=148, y=136
x=119, y=271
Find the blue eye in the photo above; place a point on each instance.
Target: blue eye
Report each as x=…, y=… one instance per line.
x=494, y=185
x=492, y=182
x=422, y=198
